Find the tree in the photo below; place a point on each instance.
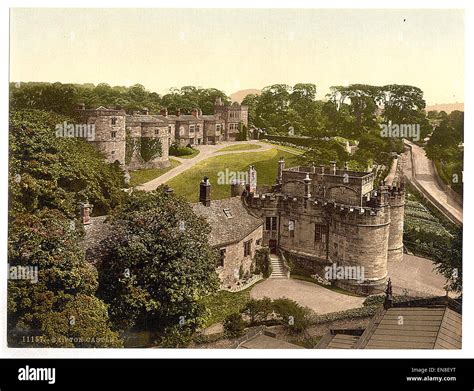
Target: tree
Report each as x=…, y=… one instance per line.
x=234, y=325
x=46, y=171
x=58, y=308
x=258, y=310
x=158, y=265
x=292, y=315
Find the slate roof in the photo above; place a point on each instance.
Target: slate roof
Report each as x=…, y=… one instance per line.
x=226, y=230
x=143, y=118
x=437, y=327
x=409, y=325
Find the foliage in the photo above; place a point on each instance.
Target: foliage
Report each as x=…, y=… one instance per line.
x=154, y=273
x=176, y=150
x=46, y=171
x=262, y=262
x=234, y=325
x=258, y=310
x=292, y=315
x=150, y=148
x=60, y=309
x=430, y=235
x=222, y=303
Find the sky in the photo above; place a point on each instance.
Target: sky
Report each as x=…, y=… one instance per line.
x=235, y=49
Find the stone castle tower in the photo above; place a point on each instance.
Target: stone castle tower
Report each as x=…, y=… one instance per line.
x=320, y=217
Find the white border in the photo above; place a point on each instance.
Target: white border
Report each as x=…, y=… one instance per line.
x=468, y=322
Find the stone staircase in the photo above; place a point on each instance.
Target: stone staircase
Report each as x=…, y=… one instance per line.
x=279, y=270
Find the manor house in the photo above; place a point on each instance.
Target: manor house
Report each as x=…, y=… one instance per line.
x=141, y=140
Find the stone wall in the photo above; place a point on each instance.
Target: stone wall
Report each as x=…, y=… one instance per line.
x=234, y=258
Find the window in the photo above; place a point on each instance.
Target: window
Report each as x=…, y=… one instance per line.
x=247, y=248
x=113, y=134
x=291, y=228
x=198, y=128
x=336, y=250
x=319, y=233
x=259, y=242
x=270, y=223
x=221, y=259
x=112, y=153
x=114, y=121
x=228, y=213
x=169, y=129
x=191, y=128
x=157, y=132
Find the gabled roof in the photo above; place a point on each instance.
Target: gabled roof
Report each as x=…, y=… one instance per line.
x=436, y=327
x=227, y=230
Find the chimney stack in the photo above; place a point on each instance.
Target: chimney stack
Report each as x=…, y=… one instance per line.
x=145, y=110
x=252, y=179
x=195, y=113
x=205, y=192
x=82, y=106
x=281, y=167
x=164, y=112
x=178, y=112
x=333, y=167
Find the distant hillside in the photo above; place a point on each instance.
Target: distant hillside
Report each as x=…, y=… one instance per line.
x=448, y=107
x=240, y=95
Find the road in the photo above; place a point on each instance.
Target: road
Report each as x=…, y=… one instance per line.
x=425, y=175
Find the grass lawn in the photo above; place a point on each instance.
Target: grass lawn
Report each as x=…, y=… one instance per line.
x=223, y=303
x=142, y=176
x=284, y=147
x=239, y=147
x=195, y=153
x=266, y=164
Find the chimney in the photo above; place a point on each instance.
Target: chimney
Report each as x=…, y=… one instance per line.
x=86, y=210
x=333, y=167
x=195, y=113
x=321, y=168
x=307, y=183
x=178, y=112
x=281, y=167
x=346, y=166
x=252, y=179
x=82, y=106
x=205, y=192
x=164, y=112
x=145, y=110
x=388, y=302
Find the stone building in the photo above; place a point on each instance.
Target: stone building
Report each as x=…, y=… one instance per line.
x=235, y=232
x=136, y=140
x=328, y=219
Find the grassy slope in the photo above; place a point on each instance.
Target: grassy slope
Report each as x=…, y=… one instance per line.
x=266, y=164
x=141, y=176
x=239, y=147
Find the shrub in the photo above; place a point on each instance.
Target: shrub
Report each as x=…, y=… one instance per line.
x=294, y=316
x=258, y=310
x=176, y=150
x=234, y=325
x=262, y=262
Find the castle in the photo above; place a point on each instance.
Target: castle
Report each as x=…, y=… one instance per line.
x=314, y=217
x=140, y=140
